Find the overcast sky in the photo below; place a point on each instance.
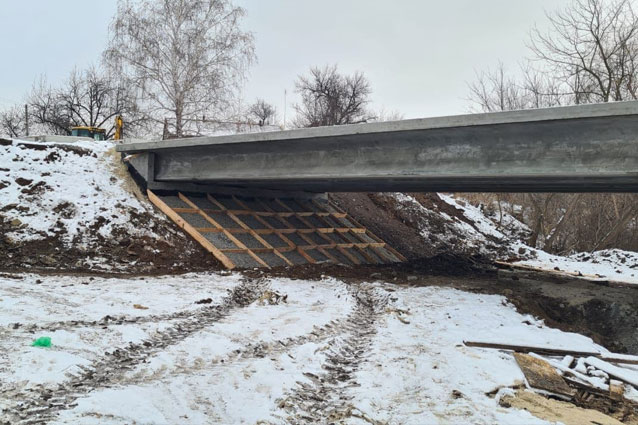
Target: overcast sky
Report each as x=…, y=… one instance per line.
x=419, y=55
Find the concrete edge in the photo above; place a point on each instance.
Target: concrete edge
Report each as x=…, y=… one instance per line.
x=467, y=120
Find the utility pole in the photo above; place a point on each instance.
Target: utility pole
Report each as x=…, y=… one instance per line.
x=26, y=118
x=285, y=105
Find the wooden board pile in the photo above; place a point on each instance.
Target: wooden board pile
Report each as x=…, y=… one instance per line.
x=590, y=379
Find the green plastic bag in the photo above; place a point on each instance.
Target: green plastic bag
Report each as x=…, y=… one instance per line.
x=43, y=341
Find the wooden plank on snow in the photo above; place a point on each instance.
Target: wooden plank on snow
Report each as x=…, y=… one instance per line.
x=541, y=375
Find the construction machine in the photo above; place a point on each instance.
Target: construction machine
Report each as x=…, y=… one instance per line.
x=97, y=133
x=94, y=133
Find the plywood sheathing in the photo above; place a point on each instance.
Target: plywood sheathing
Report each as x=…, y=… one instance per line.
x=271, y=232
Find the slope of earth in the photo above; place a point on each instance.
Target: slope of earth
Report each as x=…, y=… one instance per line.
x=227, y=348
x=428, y=226
x=74, y=207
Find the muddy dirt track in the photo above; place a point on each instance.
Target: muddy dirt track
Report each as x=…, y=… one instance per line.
x=604, y=313
x=41, y=405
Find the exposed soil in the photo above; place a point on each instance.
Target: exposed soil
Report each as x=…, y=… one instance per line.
x=166, y=249
x=172, y=253
x=380, y=218
x=401, y=227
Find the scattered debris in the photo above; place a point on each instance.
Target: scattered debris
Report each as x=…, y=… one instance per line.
x=625, y=375
x=272, y=298
x=613, y=357
x=43, y=341
x=399, y=314
x=555, y=411
x=204, y=301
x=541, y=375
x=581, y=377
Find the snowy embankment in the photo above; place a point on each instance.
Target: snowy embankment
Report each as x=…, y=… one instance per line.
x=210, y=348
x=504, y=240
x=607, y=265
x=67, y=190
x=74, y=207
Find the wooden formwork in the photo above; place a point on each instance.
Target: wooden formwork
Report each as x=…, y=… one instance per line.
x=269, y=232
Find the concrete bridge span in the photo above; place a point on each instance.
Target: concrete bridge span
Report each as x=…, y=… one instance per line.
x=584, y=148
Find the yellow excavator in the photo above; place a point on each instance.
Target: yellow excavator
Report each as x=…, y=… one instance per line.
x=94, y=133
x=97, y=133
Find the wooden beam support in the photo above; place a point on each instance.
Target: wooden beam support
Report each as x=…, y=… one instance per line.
x=249, y=230
x=279, y=232
x=325, y=239
x=229, y=235
x=190, y=230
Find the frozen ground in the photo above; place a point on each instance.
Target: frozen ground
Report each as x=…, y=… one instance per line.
x=257, y=351
x=66, y=189
x=607, y=265
x=612, y=264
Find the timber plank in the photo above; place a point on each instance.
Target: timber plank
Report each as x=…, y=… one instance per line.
x=190, y=230
x=229, y=235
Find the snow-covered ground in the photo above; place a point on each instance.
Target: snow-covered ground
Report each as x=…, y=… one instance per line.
x=71, y=190
x=483, y=233
x=393, y=352
x=607, y=265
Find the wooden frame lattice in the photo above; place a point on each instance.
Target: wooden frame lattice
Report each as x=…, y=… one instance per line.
x=227, y=232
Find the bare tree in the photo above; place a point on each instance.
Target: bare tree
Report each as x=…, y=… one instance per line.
x=331, y=98
x=496, y=90
x=12, y=122
x=263, y=112
x=589, y=54
x=493, y=90
x=46, y=112
x=187, y=57
x=87, y=98
x=592, y=45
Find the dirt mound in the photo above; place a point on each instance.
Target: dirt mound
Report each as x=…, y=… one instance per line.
x=424, y=225
x=71, y=208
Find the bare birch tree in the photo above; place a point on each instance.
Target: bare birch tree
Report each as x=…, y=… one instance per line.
x=187, y=57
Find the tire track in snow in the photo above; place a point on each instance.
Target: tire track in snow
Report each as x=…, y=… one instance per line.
x=252, y=351
x=40, y=405
x=325, y=399
x=107, y=320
